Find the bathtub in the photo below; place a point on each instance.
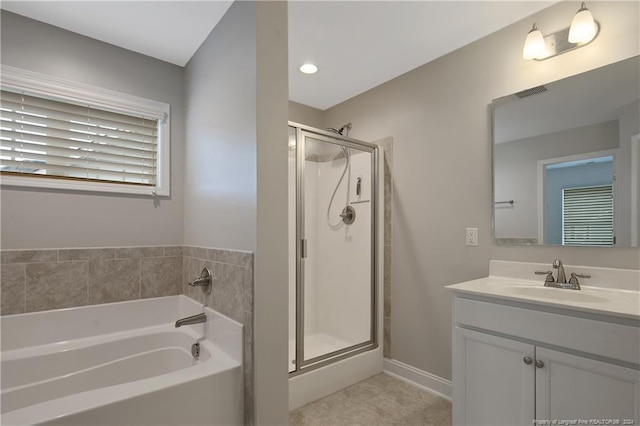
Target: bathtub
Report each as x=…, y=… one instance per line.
x=121, y=363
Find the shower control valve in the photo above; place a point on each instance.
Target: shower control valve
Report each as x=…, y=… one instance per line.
x=204, y=281
x=348, y=215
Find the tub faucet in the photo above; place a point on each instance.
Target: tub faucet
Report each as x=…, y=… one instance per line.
x=194, y=319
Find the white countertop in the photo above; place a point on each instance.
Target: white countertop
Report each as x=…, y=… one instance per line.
x=620, y=302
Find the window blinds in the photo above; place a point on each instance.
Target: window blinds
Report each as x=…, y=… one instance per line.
x=52, y=138
x=587, y=216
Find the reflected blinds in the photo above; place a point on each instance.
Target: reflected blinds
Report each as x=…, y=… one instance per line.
x=587, y=216
x=52, y=138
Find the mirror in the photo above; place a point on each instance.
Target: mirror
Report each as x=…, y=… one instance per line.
x=566, y=161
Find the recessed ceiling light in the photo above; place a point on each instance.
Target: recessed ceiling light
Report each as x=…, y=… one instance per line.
x=308, y=69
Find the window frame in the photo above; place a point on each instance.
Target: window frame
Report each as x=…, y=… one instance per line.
x=36, y=84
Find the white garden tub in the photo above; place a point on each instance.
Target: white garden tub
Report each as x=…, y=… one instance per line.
x=121, y=363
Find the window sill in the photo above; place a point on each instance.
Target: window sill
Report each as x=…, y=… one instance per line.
x=81, y=186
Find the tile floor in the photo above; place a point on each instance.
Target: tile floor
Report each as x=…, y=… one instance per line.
x=379, y=400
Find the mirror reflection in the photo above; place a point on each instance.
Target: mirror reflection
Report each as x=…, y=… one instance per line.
x=567, y=161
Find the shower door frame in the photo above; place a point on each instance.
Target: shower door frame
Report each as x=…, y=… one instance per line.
x=302, y=365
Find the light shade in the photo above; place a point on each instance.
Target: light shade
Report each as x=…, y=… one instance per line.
x=583, y=27
x=308, y=69
x=534, y=47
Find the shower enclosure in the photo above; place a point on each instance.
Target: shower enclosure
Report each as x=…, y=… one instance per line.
x=333, y=298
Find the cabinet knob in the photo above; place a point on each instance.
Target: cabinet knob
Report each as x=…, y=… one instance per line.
x=539, y=364
x=527, y=360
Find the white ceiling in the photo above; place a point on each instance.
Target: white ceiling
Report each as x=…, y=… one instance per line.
x=168, y=30
x=357, y=45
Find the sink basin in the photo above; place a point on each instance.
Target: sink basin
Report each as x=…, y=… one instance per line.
x=556, y=294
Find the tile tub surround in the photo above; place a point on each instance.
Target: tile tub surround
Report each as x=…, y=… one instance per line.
x=39, y=280
x=231, y=295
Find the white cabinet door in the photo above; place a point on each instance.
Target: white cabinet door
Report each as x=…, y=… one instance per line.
x=492, y=383
x=570, y=387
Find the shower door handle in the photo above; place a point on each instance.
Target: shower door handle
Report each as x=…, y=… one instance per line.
x=303, y=248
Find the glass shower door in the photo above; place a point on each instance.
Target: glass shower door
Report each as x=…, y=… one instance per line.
x=336, y=245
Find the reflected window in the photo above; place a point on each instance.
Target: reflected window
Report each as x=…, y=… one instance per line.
x=587, y=216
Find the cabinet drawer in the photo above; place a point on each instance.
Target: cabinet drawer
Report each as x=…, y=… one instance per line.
x=602, y=338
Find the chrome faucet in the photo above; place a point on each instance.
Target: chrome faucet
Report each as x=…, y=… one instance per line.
x=193, y=319
x=205, y=282
x=562, y=278
x=561, y=281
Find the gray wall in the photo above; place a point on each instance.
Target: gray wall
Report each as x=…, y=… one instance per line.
x=438, y=115
x=220, y=149
x=271, y=294
x=303, y=114
x=34, y=218
x=236, y=173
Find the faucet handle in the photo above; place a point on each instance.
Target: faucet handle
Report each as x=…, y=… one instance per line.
x=575, y=276
x=204, y=281
x=549, y=274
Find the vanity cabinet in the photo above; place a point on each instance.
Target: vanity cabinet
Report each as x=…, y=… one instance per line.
x=515, y=363
x=575, y=387
x=491, y=383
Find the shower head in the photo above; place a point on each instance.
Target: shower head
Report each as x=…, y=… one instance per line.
x=346, y=126
x=339, y=131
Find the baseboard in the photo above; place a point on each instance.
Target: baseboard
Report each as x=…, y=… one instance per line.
x=422, y=379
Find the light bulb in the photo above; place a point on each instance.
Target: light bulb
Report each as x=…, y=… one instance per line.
x=583, y=27
x=308, y=69
x=534, y=46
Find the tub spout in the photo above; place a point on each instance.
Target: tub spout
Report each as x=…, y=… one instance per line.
x=194, y=319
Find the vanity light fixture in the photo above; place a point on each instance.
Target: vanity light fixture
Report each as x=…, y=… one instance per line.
x=534, y=47
x=584, y=29
x=308, y=69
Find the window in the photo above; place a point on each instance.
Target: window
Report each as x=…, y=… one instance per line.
x=587, y=216
x=58, y=134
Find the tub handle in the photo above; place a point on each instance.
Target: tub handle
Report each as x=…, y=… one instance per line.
x=204, y=281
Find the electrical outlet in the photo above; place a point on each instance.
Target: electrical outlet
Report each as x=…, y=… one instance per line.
x=472, y=237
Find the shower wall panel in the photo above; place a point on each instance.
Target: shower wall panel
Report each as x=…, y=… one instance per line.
x=343, y=253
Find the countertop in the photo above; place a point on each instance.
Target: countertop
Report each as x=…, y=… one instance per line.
x=606, y=301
